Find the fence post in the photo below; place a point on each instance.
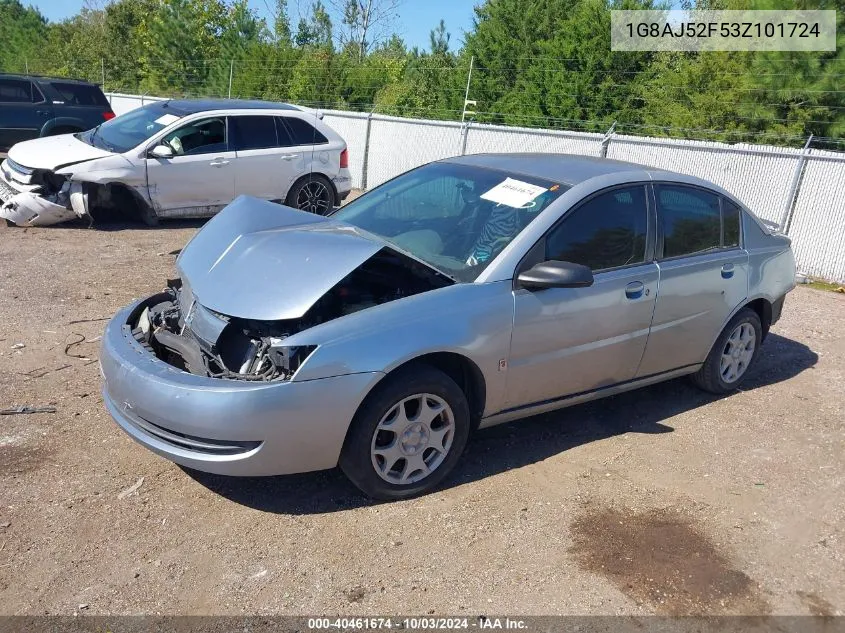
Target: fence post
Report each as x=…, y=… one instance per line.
x=26, y=65
x=792, y=196
x=231, y=72
x=466, y=137
x=366, y=161
x=466, y=94
x=606, y=140
x=103, y=74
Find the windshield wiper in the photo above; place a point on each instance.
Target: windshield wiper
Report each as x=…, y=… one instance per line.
x=103, y=144
x=94, y=134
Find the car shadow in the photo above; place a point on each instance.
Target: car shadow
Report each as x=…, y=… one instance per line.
x=116, y=223
x=520, y=443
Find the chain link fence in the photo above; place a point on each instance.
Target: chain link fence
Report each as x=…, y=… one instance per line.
x=802, y=191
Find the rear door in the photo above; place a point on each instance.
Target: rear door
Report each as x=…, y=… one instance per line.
x=301, y=147
x=23, y=111
x=703, y=275
x=262, y=169
x=567, y=341
x=82, y=105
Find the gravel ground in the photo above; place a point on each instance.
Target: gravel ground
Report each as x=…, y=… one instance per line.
x=665, y=500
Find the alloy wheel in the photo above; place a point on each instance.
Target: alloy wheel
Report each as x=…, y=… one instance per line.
x=738, y=352
x=314, y=197
x=412, y=439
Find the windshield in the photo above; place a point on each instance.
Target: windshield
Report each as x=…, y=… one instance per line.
x=457, y=218
x=131, y=129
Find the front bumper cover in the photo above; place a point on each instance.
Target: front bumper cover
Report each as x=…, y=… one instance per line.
x=25, y=205
x=221, y=426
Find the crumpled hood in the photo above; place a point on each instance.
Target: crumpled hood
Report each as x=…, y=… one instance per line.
x=54, y=152
x=259, y=260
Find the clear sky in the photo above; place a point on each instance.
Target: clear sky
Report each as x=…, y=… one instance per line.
x=416, y=17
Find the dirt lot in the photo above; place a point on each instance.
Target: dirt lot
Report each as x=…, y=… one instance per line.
x=664, y=500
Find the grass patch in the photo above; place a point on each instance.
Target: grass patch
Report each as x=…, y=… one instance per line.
x=825, y=285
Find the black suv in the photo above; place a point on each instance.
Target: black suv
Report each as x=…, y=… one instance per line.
x=33, y=106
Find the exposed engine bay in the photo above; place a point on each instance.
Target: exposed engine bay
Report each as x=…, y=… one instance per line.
x=175, y=327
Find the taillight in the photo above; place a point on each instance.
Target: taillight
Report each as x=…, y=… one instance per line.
x=344, y=159
x=108, y=114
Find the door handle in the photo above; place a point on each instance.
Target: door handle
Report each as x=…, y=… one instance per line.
x=289, y=156
x=219, y=162
x=634, y=290
x=42, y=112
x=727, y=271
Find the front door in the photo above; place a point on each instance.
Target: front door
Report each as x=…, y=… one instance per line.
x=199, y=179
x=571, y=340
x=703, y=275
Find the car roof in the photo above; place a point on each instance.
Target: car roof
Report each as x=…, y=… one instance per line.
x=192, y=106
x=567, y=169
x=42, y=78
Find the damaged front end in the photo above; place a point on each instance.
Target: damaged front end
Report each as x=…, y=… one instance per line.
x=39, y=197
x=190, y=337
x=180, y=331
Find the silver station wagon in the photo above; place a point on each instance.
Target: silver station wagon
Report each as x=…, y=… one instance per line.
x=465, y=293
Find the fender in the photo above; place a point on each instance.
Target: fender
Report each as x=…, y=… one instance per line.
x=64, y=121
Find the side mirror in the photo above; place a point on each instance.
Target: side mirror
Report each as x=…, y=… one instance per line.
x=161, y=151
x=555, y=274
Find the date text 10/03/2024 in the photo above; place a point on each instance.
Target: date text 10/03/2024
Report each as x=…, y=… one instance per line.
x=420, y=623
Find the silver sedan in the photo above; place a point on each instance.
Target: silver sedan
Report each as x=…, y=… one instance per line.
x=465, y=293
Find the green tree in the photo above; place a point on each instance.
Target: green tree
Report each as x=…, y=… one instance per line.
x=281, y=23
x=23, y=33
x=316, y=30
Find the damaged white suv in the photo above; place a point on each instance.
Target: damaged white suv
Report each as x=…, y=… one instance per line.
x=178, y=159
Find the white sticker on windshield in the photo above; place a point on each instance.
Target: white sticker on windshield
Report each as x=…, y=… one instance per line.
x=166, y=119
x=513, y=193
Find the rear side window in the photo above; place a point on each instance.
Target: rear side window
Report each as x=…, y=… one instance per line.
x=252, y=132
x=302, y=132
x=690, y=219
x=608, y=231
x=80, y=94
x=19, y=91
x=730, y=224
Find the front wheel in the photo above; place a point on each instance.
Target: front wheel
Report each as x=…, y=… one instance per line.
x=732, y=355
x=407, y=435
x=313, y=193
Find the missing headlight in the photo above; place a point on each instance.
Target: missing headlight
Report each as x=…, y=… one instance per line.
x=205, y=343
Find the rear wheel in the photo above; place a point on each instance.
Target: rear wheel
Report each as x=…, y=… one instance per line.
x=408, y=435
x=313, y=193
x=732, y=355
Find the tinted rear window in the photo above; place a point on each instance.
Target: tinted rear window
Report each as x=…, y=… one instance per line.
x=690, y=218
x=730, y=223
x=80, y=94
x=303, y=133
x=252, y=132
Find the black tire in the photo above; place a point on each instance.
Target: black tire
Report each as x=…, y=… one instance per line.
x=357, y=459
x=301, y=189
x=709, y=377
